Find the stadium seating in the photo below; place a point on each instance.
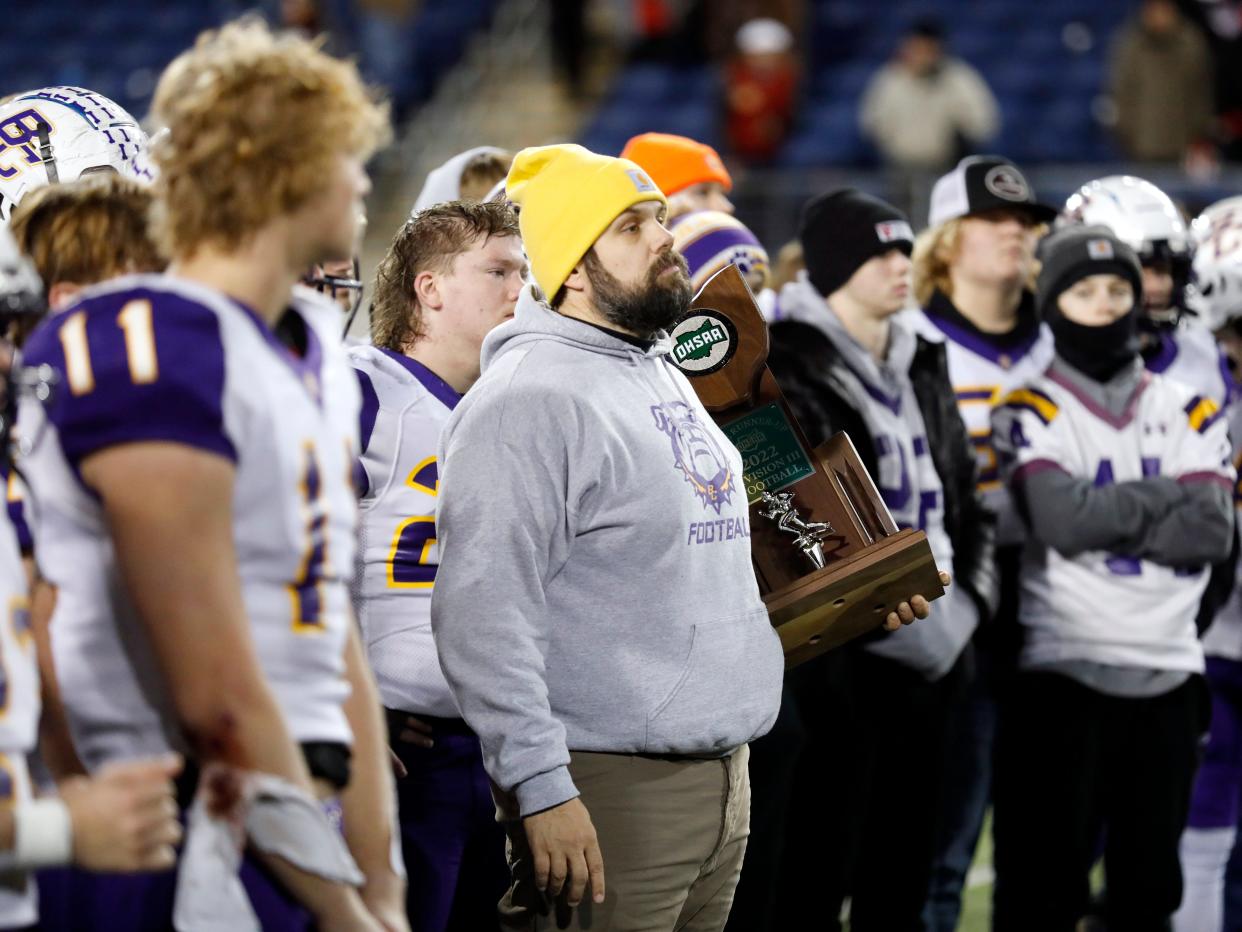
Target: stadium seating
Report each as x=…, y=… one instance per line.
x=119, y=49
x=1046, y=62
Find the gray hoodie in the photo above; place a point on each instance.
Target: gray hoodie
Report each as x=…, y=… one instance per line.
x=443, y=184
x=595, y=589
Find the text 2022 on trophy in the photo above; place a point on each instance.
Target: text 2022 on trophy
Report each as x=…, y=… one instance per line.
x=831, y=562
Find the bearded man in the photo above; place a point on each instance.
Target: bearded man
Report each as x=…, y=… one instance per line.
x=596, y=613
x=612, y=658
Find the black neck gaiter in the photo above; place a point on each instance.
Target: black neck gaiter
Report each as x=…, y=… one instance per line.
x=1097, y=352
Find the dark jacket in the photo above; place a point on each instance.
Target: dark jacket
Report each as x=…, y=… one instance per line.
x=803, y=359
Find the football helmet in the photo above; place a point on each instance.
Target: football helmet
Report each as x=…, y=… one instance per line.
x=1215, y=291
x=1144, y=218
x=58, y=134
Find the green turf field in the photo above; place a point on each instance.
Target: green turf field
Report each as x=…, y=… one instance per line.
x=977, y=902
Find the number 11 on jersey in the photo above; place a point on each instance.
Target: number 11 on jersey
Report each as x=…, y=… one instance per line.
x=135, y=321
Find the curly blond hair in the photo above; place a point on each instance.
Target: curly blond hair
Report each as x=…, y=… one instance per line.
x=254, y=122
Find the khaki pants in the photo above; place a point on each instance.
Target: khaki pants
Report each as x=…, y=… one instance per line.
x=672, y=834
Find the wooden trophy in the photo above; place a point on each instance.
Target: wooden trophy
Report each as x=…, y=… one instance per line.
x=831, y=562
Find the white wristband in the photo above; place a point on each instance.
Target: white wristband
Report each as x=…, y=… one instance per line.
x=43, y=833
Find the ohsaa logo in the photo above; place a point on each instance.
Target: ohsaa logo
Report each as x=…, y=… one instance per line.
x=703, y=341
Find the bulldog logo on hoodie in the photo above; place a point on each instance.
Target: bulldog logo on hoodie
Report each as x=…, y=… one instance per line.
x=696, y=454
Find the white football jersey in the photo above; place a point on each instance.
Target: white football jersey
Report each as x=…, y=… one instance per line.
x=982, y=374
x=1104, y=607
x=19, y=715
x=1189, y=355
x=404, y=407
x=155, y=358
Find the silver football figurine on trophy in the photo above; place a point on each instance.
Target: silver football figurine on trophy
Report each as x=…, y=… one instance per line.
x=809, y=536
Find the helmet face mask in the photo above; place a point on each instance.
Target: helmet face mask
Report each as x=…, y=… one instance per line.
x=59, y=134
x=1146, y=220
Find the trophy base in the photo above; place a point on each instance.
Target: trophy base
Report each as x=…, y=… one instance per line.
x=852, y=596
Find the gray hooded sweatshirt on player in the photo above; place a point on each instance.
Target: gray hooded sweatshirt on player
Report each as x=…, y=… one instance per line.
x=443, y=184
x=595, y=589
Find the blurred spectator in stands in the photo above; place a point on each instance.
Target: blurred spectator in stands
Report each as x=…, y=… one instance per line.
x=385, y=44
x=726, y=17
x=925, y=110
x=689, y=173
x=1221, y=23
x=670, y=31
x=760, y=84
x=1161, y=83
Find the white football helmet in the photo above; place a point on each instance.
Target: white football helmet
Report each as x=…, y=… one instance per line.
x=58, y=134
x=1215, y=292
x=1145, y=219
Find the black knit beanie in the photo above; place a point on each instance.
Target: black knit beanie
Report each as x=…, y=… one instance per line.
x=1071, y=254
x=842, y=229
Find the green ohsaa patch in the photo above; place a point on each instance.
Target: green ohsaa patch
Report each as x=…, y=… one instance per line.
x=703, y=342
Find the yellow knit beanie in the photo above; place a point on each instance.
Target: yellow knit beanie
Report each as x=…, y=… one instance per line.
x=567, y=196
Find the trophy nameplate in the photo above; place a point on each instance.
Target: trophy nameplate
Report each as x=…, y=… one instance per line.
x=830, y=561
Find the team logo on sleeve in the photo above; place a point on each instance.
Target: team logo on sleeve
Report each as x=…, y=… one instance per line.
x=696, y=453
x=703, y=341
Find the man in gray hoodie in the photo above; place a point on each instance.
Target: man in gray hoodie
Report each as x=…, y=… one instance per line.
x=596, y=612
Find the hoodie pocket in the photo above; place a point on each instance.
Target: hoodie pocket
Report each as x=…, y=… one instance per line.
x=728, y=691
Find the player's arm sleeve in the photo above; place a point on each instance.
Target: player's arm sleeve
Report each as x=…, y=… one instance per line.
x=1070, y=514
x=1196, y=532
x=504, y=528
x=117, y=386
x=1200, y=529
